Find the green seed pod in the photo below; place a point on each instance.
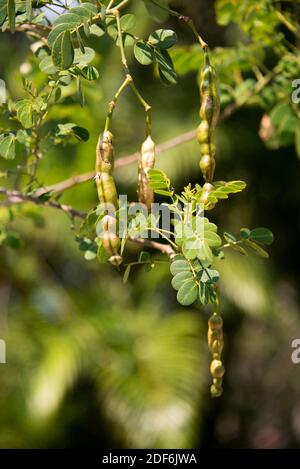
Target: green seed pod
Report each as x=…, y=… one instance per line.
x=107, y=193
x=105, y=152
x=209, y=110
x=146, y=161
x=106, y=187
x=203, y=132
x=208, y=148
x=207, y=166
x=217, y=382
x=206, y=190
x=111, y=243
x=209, y=113
x=217, y=369
x=216, y=391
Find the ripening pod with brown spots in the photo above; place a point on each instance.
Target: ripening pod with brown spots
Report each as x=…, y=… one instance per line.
x=209, y=113
x=146, y=161
x=106, y=187
x=107, y=194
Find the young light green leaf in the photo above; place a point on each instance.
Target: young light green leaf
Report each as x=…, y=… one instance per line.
x=95, y=30
x=47, y=66
x=187, y=293
x=127, y=22
x=7, y=147
x=24, y=109
x=179, y=265
x=179, y=279
x=83, y=58
x=158, y=180
x=209, y=275
x=256, y=248
x=223, y=189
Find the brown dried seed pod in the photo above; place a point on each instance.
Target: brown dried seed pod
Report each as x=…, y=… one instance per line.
x=111, y=242
x=109, y=223
x=215, y=322
x=217, y=347
x=212, y=336
x=105, y=149
x=116, y=260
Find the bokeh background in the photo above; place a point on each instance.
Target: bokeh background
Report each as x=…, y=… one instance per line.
x=92, y=362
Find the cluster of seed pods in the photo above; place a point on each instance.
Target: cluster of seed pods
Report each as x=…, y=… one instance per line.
x=107, y=194
x=209, y=113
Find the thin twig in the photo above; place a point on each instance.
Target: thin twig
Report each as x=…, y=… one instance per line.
x=141, y=100
x=16, y=197
x=132, y=158
x=113, y=103
x=163, y=248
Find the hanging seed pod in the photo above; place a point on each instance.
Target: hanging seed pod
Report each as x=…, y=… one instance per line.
x=146, y=161
x=106, y=187
x=215, y=344
x=107, y=193
x=111, y=243
x=206, y=190
x=209, y=113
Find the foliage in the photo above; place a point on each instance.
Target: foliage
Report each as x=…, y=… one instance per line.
x=65, y=65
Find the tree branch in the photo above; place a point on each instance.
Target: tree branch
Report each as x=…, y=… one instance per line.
x=130, y=159
x=16, y=197
x=163, y=248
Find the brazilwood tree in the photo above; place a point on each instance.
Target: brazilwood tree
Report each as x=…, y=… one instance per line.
x=229, y=78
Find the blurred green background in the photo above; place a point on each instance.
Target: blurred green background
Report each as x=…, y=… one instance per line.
x=92, y=362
